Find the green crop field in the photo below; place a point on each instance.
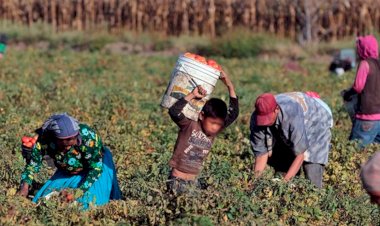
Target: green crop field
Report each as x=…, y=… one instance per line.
x=119, y=95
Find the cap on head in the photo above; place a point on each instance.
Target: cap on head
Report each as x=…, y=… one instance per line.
x=265, y=106
x=62, y=126
x=370, y=174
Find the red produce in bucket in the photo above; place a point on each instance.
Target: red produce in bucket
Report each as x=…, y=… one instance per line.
x=203, y=60
x=190, y=55
x=213, y=64
x=200, y=59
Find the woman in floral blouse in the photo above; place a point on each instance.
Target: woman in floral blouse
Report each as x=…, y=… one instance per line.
x=81, y=160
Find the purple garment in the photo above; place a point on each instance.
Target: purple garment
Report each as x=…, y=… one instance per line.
x=61, y=125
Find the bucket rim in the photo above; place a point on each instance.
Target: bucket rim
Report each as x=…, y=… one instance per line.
x=193, y=67
x=201, y=65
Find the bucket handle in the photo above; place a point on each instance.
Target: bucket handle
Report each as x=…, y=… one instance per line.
x=192, y=81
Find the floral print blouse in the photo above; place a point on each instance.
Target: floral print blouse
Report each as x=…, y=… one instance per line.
x=86, y=156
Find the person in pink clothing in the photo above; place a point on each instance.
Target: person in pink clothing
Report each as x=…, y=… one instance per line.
x=366, y=126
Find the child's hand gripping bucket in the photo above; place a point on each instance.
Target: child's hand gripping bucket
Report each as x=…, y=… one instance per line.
x=187, y=74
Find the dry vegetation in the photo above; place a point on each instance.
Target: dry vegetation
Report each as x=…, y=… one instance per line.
x=297, y=19
x=119, y=96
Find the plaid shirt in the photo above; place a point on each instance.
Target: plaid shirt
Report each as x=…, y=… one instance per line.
x=303, y=124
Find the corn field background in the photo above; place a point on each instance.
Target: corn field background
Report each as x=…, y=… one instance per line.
x=107, y=62
x=301, y=20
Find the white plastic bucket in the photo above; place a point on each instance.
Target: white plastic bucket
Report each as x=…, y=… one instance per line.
x=188, y=74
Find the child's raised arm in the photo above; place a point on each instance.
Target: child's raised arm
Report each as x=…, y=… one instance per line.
x=228, y=83
x=233, y=109
x=175, y=111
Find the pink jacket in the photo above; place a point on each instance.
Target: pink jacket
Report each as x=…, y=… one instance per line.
x=367, y=47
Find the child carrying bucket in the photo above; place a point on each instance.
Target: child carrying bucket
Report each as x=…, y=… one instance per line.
x=189, y=72
x=195, y=138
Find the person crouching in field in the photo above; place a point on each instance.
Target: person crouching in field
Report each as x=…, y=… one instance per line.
x=366, y=125
x=370, y=175
x=3, y=45
x=81, y=159
x=195, y=138
x=291, y=130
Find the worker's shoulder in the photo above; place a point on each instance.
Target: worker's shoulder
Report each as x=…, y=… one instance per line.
x=85, y=130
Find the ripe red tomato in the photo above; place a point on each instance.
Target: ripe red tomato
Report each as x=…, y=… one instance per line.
x=212, y=63
x=200, y=59
x=217, y=67
x=25, y=139
x=34, y=139
x=28, y=144
x=69, y=197
x=190, y=55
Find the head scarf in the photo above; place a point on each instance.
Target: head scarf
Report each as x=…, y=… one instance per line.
x=370, y=174
x=61, y=126
x=367, y=47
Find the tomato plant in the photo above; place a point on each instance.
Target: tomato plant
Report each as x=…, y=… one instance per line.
x=120, y=96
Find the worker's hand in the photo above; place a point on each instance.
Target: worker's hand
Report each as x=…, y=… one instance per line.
x=199, y=92
x=24, y=190
x=27, y=147
x=347, y=94
x=257, y=174
x=225, y=78
x=26, y=153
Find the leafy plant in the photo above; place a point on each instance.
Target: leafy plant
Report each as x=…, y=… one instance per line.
x=120, y=96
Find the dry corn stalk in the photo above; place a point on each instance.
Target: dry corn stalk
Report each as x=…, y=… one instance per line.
x=307, y=19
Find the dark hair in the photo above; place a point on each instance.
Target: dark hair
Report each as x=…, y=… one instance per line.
x=215, y=108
